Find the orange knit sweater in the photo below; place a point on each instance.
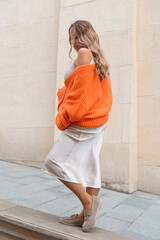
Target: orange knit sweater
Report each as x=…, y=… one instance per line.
x=84, y=100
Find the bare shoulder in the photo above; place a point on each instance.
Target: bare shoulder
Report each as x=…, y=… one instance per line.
x=84, y=57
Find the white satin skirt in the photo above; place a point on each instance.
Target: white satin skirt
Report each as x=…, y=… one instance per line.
x=75, y=156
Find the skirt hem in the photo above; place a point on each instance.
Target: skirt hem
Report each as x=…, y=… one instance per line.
x=84, y=185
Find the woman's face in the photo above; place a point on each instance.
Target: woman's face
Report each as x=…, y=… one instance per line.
x=74, y=39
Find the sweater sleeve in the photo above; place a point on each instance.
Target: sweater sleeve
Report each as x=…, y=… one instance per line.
x=76, y=104
x=60, y=95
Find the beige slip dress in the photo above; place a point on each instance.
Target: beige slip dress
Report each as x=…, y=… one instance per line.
x=75, y=156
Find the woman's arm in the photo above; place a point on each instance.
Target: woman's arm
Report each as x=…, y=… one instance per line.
x=60, y=95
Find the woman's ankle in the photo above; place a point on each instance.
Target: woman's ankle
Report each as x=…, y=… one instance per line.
x=81, y=215
x=88, y=205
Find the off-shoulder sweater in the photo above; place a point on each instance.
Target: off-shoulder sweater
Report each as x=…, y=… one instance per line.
x=84, y=100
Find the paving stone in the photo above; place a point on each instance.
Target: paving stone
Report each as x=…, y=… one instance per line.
x=136, y=235
x=5, y=184
x=138, y=202
x=112, y=192
x=1, y=171
x=42, y=174
x=3, y=177
x=38, y=198
x=37, y=179
x=30, y=188
x=74, y=210
x=62, y=189
x=6, y=194
x=146, y=195
x=29, y=179
x=18, y=174
x=111, y=224
x=53, y=207
x=103, y=191
x=52, y=183
x=59, y=194
x=47, y=176
x=105, y=209
x=125, y=213
x=111, y=201
x=156, y=202
x=22, y=202
x=148, y=224
x=68, y=200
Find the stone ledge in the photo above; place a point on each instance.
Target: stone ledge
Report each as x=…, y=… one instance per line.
x=18, y=222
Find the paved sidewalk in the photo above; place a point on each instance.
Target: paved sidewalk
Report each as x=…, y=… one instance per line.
x=136, y=215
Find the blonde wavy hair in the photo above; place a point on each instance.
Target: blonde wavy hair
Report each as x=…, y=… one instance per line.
x=86, y=36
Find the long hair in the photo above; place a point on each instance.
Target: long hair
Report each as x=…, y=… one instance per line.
x=86, y=36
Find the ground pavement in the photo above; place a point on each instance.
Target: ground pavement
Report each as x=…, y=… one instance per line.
x=136, y=215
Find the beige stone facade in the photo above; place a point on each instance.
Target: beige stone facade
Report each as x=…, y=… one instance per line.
x=34, y=51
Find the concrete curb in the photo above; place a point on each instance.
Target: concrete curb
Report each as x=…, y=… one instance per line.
x=20, y=222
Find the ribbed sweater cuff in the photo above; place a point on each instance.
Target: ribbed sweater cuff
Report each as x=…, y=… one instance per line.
x=61, y=122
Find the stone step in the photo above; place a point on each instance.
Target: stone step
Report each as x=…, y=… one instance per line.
x=19, y=222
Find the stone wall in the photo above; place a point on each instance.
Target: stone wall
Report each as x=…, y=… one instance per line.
x=148, y=95
x=28, y=66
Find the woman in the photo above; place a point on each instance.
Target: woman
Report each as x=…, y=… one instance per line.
x=83, y=109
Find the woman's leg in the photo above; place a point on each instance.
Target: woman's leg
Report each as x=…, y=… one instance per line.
x=84, y=197
x=91, y=191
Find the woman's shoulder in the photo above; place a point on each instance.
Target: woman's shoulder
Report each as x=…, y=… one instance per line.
x=84, y=57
